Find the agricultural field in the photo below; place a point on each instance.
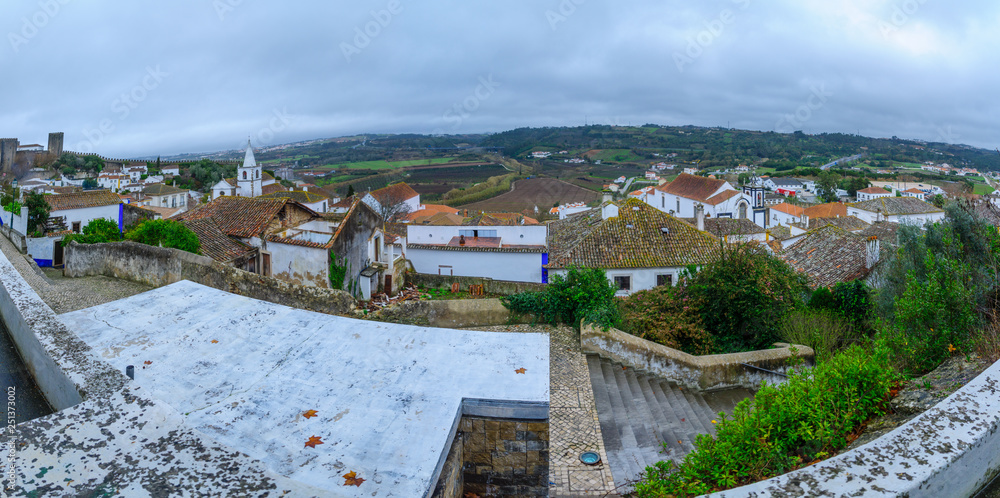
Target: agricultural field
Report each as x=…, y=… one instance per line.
x=540, y=192
x=431, y=183
x=386, y=165
x=613, y=155
x=982, y=189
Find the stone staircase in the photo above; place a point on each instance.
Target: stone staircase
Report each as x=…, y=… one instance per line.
x=639, y=412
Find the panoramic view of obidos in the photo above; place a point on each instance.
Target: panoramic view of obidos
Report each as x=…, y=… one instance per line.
x=566, y=248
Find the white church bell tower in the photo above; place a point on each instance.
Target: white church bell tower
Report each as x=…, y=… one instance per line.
x=248, y=179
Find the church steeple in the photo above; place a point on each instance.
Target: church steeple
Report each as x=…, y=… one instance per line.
x=248, y=176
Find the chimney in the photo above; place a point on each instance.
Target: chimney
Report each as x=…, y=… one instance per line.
x=461, y=240
x=871, y=252
x=609, y=210
x=805, y=221
x=699, y=214
x=605, y=196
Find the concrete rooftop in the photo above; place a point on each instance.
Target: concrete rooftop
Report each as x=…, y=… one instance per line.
x=243, y=372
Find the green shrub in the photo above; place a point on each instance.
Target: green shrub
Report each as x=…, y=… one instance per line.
x=582, y=293
x=783, y=426
x=667, y=316
x=822, y=299
x=96, y=231
x=855, y=301
x=825, y=331
x=743, y=297
x=165, y=233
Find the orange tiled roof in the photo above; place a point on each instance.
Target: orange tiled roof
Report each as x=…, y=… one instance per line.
x=828, y=210
x=874, y=190
x=272, y=188
x=78, y=200
x=216, y=244
x=430, y=210
x=240, y=216
x=692, y=187
x=394, y=193
x=787, y=208
x=641, y=236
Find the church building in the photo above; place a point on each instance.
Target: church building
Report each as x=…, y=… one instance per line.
x=250, y=180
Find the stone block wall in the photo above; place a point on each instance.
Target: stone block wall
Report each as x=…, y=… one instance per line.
x=490, y=286
x=505, y=457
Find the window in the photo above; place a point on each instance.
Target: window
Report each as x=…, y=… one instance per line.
x=76, y=227
x=678, y=206
x=258, y=173
x=667, y=279
x=743, y=211
x=663, y=202
x=478, y=233
x=244, y=175
x=623, y=282
x=445, y=270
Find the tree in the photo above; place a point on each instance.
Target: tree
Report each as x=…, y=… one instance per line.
x=165, y=233
x=392, y=205
x=89, y=183
x=38, y=211
x=938, y=200
x=96, y=231
x=350, y=190
x=827, y=186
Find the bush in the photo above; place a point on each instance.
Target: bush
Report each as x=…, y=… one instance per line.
x=825, y=331
x=582, y=293
x=784, y=426
x=665, y=315
x=822, y=299
x=165, y=233
x=96, y=231
x=744, y=296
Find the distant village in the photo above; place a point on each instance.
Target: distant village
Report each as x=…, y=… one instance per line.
x=365, y=243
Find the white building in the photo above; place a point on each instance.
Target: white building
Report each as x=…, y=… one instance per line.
x=167, y=196
x=501, y=252
x=399, y=194
x=896, y=209
x=564, y=210
x=660, y=246
x=873, y=193
x=718, y=197
x=785, y=214
x=250, y=180
x=914, y=192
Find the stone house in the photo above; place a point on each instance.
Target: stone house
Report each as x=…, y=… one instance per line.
x=829, y=255
x=639, y=247
x=896, y=209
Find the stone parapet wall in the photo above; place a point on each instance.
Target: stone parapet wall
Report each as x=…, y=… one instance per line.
x=505, y=457
x=703, y=373
x=450, y=313
x=158, y=266
x=490, y=286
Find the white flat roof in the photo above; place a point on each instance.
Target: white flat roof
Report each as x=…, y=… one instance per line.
x=387, y=396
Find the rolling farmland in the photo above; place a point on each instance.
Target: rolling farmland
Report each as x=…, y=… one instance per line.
x=541, y=192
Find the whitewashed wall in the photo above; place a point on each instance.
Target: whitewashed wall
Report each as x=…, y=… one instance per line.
x=516, y=267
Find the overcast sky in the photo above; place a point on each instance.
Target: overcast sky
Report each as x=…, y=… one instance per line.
x=144, y=78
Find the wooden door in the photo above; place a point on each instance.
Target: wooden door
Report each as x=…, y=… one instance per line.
x=57, y=254
x=265, y=264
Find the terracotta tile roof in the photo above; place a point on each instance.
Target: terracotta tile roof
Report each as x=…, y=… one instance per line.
x=161, y=189
x=874, y=190
x=828, y=255
x=239, y=216
x=721, y=197
x=499, y=219
x=78, y=200
x=849, y=223
x=780, y=232
x=474, y=241
x=790, y=209
x=430, y=210
x=914, y=190
x=346, y=202
x=721, y=227
x=892, y=206
x=828, y=210
x=692, y=187
x=164, y=212
x=440, y=219
x=639, y=237
x=887, y=233
x=298, y=195
x=216, y=244
x=394, y=193
x=272, y=188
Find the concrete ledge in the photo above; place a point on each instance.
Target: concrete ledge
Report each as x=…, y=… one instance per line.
x=159, y=266
x=703, y=373
x=952, y=449
x=451, y=313
x=525, y=410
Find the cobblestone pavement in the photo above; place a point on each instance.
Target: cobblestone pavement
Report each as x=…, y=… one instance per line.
x=573, y=424
x=69, y=294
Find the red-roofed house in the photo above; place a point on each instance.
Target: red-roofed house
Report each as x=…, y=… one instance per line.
x=873, y=193
x=786, y=214
x=719, y=198
x=393, y=202
x=914, y=192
